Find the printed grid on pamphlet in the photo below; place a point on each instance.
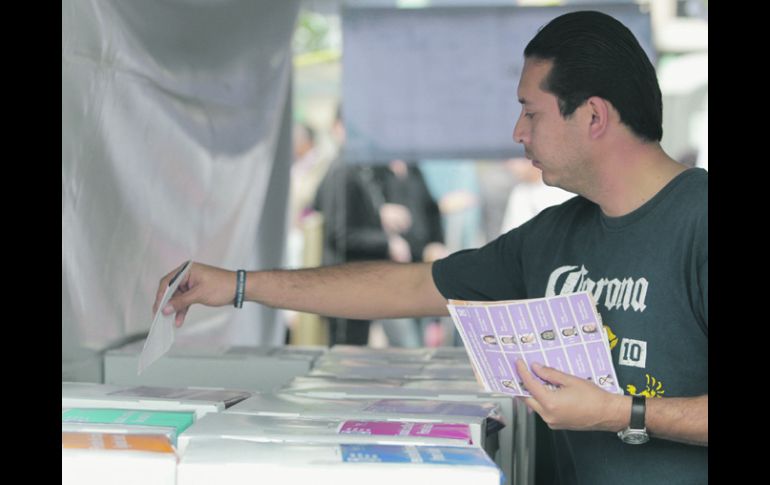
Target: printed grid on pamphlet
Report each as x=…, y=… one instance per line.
x=564, y=332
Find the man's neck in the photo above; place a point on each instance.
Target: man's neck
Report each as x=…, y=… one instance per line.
x=633, y=178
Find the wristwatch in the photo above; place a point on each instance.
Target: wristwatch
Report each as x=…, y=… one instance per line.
x=636, y=433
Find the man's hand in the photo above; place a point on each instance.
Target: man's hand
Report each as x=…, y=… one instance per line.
x=575, y=404
x=203, y=284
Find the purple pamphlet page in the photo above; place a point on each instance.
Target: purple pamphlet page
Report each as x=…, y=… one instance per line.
x=563, y=332
x=456, y=431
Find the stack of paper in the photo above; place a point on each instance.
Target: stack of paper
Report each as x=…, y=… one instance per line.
x=362, y=369
x=516, y=440
x=396, y=354
x=403, y=380
x=483, y=418
x=324, y=430
x=389, y=354
x=200, y=400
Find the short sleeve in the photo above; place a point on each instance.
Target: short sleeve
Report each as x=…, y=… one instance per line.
x=492, y=272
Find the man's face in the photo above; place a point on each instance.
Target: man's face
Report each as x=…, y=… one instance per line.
x=554, y=144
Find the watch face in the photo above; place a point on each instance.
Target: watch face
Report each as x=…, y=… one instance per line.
x=634, y=436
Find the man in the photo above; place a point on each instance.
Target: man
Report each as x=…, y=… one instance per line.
x=636, y=237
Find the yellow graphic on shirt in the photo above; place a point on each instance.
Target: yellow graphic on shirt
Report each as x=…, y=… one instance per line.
x=654, y=388
x=611, y=337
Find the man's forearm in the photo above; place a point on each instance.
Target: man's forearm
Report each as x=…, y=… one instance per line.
x=681, y=419
x=367, y=290
x=684, y=420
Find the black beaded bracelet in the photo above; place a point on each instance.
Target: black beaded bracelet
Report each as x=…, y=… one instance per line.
x=240, y=288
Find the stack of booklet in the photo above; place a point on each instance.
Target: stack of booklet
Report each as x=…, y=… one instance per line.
x=483, y=419
x=117, y=459
x=127, y=421
x=428, y=374
x=272, y=429
x=201, y=400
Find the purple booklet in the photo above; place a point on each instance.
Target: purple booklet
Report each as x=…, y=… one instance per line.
x=407, y=428
x=564, y=332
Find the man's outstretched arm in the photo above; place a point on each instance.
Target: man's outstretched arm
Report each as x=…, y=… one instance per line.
x=366, y=290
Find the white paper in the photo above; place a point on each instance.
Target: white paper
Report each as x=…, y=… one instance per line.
x=162, y=332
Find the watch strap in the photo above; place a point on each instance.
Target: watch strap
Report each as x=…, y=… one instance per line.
x=638, y=408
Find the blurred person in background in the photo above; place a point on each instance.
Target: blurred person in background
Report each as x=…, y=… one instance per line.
x=530, y=195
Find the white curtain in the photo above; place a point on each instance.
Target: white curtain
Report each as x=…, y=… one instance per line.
x=174, y=146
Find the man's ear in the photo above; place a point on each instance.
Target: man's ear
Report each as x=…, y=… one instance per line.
x=599, y=110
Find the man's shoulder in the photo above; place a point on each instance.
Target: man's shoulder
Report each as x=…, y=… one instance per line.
x=695, y=178
x=691, y=192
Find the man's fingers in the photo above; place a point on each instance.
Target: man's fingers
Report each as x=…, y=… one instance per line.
x=180, y=302
x=550, y=374
x=180, y=317
x=164, y=282
x=533, y=385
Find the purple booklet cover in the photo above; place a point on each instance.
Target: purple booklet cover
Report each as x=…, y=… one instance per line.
x=408, y=428
x=563, y=332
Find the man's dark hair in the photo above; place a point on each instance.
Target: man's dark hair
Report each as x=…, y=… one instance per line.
x=593, y=54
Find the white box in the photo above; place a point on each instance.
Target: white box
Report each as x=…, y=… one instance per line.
x=252, y=368
x=237, y=462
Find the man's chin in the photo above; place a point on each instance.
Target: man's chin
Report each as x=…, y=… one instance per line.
x=550, y=181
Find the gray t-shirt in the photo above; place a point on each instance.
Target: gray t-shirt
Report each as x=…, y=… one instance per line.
x=648, y=273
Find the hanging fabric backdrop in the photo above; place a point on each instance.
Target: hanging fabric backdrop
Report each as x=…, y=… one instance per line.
x=174, y=146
